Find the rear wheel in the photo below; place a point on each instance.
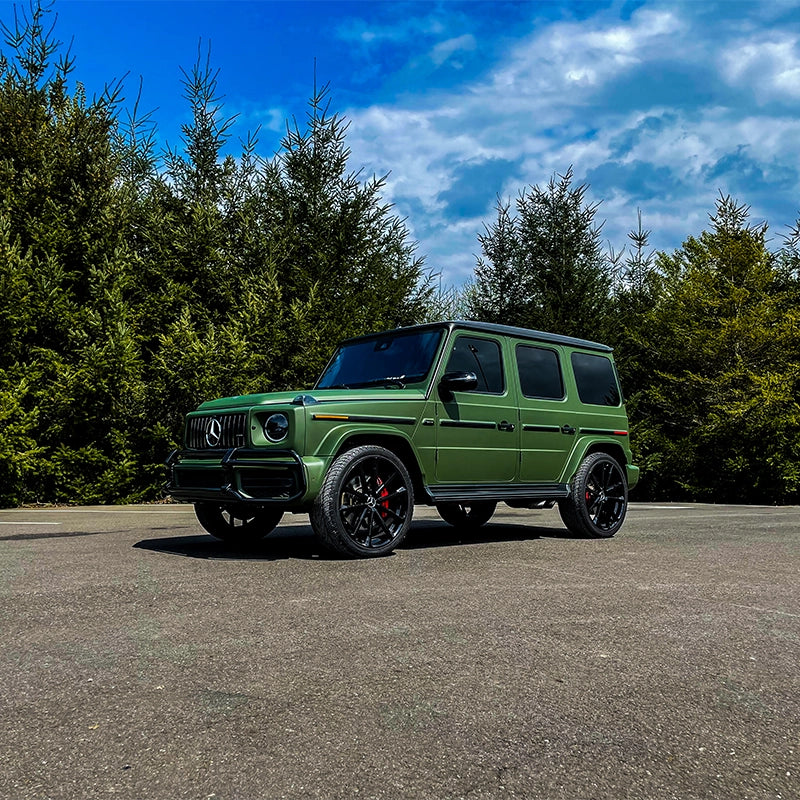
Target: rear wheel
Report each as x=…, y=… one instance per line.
x=598, y=498
x=237, y=524
x=469, y=516
x=365, y=504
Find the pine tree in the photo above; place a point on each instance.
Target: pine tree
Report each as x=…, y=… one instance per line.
x=133, y=287
x=719, y=418
x=635, y=291
x=544, y=267
x=71, y=363
x=343, y=259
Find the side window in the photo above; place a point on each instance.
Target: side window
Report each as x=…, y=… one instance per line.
x=481, y=356
x=596, y=379
x=539, y=373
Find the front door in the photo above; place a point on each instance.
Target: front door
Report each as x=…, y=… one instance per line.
x=477, y=432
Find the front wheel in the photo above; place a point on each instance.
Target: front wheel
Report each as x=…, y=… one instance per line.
x=365, y=504
x=237, y=524
x=467, y=516
x=598, y=499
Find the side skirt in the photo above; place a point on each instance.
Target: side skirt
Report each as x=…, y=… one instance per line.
x=462, y=493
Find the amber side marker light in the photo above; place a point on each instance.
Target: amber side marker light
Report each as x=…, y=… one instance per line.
x=330, y=416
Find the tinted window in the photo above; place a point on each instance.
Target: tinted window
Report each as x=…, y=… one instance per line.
x=539, y=373
x=391, y=360
x=481, y=356
x=596, y=379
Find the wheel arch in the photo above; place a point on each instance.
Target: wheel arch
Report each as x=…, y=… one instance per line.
x=398, y=445
x=610, y=448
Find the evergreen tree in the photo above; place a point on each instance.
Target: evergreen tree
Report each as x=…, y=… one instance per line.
x=719, y=418
x=69, y=369
x=343, y=259
x=132, y=288
x=635, y=291
x=543, y=267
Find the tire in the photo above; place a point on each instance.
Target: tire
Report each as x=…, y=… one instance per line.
x=365, y=505
x=238, y=525
x=467, y=516
x=598, y=498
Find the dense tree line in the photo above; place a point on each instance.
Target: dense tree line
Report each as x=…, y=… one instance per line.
x=134, y=284
x=707, y=338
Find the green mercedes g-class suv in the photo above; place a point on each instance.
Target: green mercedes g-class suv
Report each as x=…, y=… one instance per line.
x=459, y=415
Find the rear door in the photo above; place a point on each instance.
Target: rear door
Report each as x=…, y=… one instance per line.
x=547, y=424
x=477, y=432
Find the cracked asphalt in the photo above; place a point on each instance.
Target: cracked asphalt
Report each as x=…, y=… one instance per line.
x=140, y=658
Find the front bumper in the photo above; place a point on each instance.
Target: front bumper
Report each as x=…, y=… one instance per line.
x=236, y=475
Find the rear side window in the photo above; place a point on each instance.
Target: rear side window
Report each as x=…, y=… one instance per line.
x=481, y=356
x=596, y=380
x=539, y=373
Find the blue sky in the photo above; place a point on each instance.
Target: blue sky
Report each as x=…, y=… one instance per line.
x=656, y=105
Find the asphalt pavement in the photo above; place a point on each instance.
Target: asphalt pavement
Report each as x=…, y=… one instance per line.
x=139, y=658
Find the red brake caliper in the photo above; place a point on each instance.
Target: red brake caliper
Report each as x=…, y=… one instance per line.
x=384, y=504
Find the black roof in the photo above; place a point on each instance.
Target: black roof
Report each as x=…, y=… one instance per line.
x=505, y=330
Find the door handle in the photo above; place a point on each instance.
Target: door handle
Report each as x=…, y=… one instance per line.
x=568, y=429
x=505, y=426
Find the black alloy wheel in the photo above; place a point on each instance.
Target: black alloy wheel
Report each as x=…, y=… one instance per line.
x=598, y=498
x=366, y=502
x=237, y=524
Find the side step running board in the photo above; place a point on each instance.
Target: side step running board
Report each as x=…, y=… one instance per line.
x=461, y=493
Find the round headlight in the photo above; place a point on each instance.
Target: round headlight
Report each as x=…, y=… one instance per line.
x=276, y=428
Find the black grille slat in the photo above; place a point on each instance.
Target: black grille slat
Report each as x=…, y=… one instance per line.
x=233, y=431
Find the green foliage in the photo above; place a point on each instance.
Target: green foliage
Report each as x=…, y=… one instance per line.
x=715, y=388
x=130, y=292
x=544, y=267
x=134, y=286
x=71, y=366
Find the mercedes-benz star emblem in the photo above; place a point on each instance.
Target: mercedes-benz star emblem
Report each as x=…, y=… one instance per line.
x=213, y=432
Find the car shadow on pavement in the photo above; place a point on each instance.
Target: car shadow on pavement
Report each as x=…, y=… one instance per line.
x=295, y=541
x=299, y=542
x=427, y=534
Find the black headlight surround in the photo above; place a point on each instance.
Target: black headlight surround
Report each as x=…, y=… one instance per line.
x=276, y=427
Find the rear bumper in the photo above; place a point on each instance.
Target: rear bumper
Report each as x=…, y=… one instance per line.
x=236, y=475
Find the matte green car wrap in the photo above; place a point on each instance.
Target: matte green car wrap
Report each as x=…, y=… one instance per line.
x=474, y=413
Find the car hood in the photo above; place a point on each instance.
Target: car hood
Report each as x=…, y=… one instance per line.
x=310, y=398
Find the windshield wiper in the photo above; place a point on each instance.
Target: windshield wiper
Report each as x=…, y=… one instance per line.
x=398, y=382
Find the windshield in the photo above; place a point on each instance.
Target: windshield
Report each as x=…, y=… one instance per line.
x=395, y=359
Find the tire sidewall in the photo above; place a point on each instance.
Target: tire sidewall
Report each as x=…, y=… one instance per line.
x=325, y=517
x=575, y=512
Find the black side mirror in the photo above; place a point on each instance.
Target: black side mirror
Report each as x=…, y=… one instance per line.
x=457, y=382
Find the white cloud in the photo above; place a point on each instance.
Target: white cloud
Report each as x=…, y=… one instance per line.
x=770, y=65
x=557, y=98
x=584, y=55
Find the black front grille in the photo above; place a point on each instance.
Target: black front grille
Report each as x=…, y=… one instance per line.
x=216, y=431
